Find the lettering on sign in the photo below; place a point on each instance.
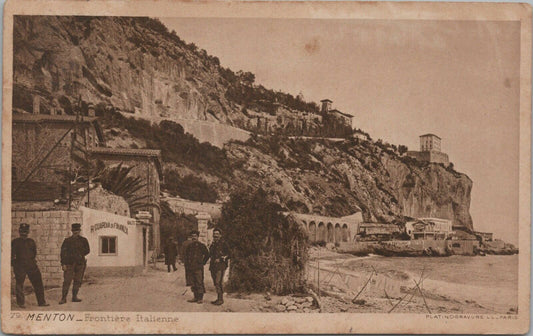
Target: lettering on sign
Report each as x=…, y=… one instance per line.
x=108, y=225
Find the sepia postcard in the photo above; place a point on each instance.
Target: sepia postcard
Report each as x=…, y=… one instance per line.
x=233, y=167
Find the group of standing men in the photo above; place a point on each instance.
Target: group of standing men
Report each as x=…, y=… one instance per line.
x=73, y=263
x=195, y=255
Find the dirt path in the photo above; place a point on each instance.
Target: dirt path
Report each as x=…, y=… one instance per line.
x=155, y=290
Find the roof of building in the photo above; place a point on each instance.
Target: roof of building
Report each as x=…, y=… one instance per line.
x=326, y=100
x=29, y=117
x=430, y=134
x=342, y=113
x=24, y=117
x=146, y=153
x=377, y=225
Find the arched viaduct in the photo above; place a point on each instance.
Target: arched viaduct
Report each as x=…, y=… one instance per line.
x=330, y=229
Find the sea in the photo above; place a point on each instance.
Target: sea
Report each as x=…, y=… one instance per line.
x=491, y=281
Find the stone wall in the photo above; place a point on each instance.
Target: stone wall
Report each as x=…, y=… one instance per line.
x=329, y=229
x=215, y=133
x=430, y=156
x=101, y=199
x=180, y=205
x=48, y=229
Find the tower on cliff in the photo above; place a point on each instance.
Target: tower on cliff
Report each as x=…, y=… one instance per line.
x=326, y=106
x=430, y=150
x=429, y=142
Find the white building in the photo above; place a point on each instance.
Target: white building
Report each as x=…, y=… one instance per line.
x=429, y=228
x=118, y=244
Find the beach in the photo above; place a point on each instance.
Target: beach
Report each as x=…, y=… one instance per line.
x=455, y=284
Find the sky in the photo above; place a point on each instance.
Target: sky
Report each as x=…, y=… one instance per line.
x=400, y=79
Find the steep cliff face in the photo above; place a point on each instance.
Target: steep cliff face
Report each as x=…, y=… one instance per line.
x=337, y=179
x=129, y=63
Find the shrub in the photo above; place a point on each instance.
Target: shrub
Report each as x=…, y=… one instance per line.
x=175, y=225
x=189, y=187
x=268, y=249
x=176, y=146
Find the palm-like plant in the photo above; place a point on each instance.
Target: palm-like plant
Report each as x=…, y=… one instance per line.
x=117, y=179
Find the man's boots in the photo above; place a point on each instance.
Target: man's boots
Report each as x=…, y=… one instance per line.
x=219, y=300
x=64, y=296
x=195, y=299
x=200, y=298
x=75, y=297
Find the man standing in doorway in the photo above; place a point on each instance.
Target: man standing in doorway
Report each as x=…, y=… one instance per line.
x=171, y=250
x=23, y=253
x=196, y=256
x=73, y=252
x=218, y=253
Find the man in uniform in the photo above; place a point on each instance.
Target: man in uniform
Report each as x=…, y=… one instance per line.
x=23, y=253
x=73, y=252
x=196, y=256
x=218, y=252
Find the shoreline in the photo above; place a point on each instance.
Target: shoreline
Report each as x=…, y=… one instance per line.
x=404, y=249
x=392, y=280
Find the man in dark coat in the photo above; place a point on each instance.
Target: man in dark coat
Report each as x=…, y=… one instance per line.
x=23, y=253
x=73, y=252
x=171, y=251
x=188, y=281
x=219, y=254
x=196, y=256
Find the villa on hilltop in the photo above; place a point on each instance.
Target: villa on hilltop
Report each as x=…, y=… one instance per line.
x=430, y=150
x=326, y=111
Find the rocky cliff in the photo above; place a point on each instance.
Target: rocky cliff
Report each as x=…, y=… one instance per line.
x=337, y=179
x=129, y=63
x=134, y=65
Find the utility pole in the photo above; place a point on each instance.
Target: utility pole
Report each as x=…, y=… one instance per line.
x=318, y=270
x=78, y=121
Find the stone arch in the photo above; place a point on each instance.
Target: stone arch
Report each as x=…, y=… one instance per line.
x=338, y=233
x=312, y=231
x=330, y=234
x=345, y=233
x=306, y=227
x=321, y=236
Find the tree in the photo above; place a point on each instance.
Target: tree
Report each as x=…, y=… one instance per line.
x=402, y=149
x=117, y=179
x=268, y=249
x=175, y=225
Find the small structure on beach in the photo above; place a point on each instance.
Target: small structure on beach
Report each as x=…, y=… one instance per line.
x=483, y=236
x=429, y=228
x=376, y=231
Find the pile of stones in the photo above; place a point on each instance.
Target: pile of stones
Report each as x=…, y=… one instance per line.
x=291, y=304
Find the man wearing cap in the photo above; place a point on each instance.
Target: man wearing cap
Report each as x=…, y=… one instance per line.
x=218, y=252
x=196, y=256
x=73, y=252
x=23, y=253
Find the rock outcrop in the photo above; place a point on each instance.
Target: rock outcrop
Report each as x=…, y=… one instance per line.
x=131, y=64
x=338, y=179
